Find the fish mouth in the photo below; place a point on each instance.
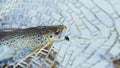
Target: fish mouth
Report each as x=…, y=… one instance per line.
x=62, y=34
x=64, y=28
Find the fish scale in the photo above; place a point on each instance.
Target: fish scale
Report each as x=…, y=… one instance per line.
x=19, y=43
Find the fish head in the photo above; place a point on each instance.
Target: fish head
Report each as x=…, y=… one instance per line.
x=53, y=32
x=58, y=30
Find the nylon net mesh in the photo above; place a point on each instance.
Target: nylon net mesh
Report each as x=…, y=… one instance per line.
x=93, y=27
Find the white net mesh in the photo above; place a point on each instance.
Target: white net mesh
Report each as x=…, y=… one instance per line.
x=93, y=28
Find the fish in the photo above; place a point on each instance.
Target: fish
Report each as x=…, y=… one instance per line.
x=16, y=44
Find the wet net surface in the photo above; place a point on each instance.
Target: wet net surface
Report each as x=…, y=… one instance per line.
x=93, y=28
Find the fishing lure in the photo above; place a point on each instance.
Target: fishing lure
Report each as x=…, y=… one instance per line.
x=17, y=44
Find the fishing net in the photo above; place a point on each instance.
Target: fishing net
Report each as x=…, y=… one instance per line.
x=93, y=29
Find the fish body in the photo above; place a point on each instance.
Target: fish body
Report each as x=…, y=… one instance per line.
x=17, y=44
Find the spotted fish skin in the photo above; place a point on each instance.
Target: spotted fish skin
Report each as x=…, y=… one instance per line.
x=19, y=43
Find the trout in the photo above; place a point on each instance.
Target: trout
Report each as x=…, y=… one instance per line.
x=17, y=44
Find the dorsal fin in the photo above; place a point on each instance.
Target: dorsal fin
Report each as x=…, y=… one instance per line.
x=9, y=29
x=3, y=32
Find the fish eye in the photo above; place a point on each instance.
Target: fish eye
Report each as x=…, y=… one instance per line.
x=57, y=32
